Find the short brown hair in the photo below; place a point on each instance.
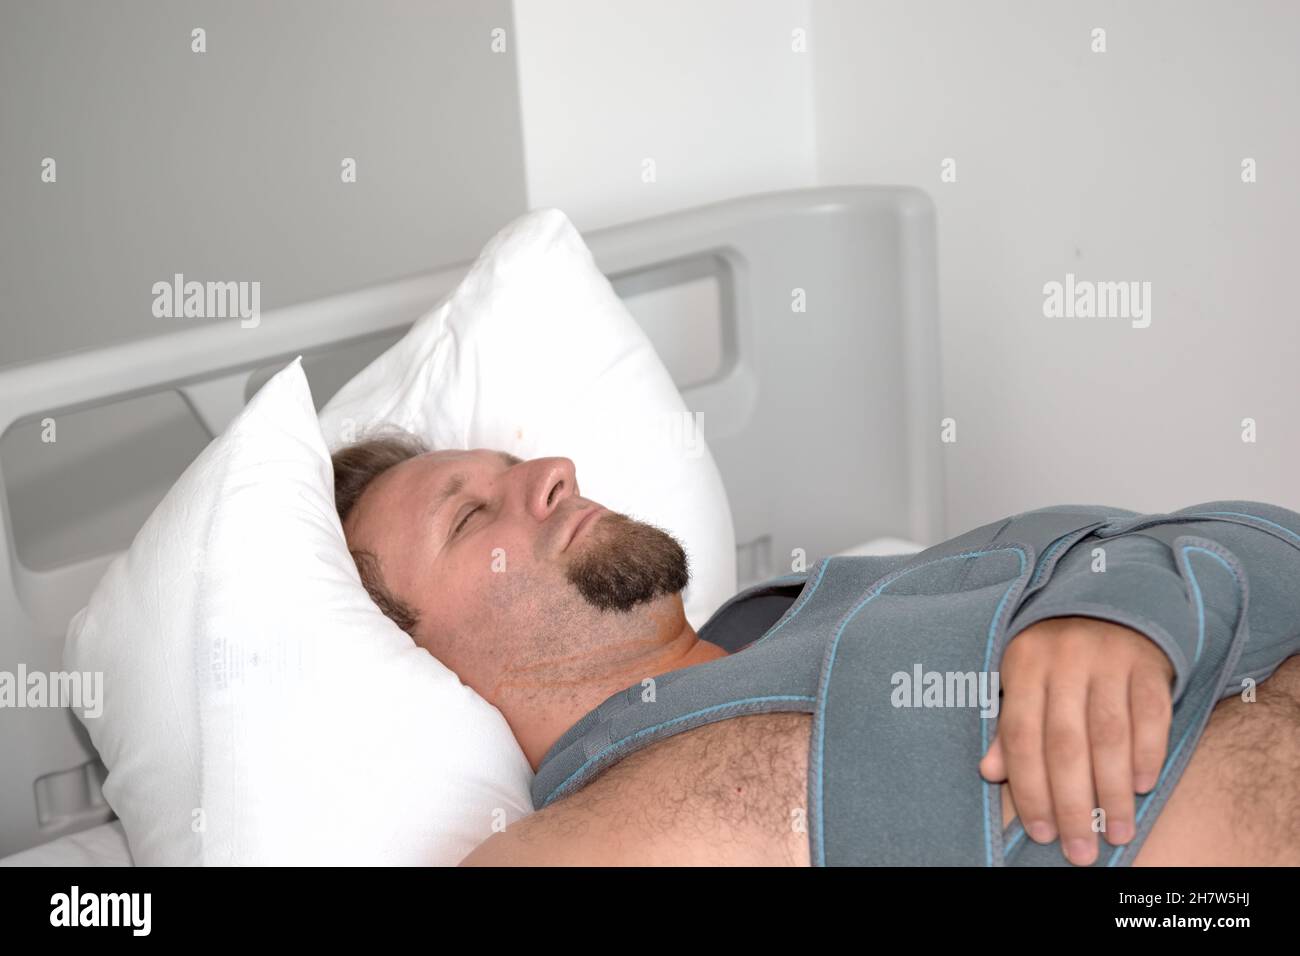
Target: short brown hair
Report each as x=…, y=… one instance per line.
x=355, y=467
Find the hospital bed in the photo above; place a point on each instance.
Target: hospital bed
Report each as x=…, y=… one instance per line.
x=802, y=324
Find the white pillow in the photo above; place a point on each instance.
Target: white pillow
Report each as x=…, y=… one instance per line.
x=258, y=707
x=535, y=354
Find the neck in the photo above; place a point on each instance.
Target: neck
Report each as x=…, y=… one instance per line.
x=552, y=700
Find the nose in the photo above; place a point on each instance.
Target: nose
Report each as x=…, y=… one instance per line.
x=553, y=480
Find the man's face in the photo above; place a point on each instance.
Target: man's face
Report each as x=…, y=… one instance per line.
x=506, y=566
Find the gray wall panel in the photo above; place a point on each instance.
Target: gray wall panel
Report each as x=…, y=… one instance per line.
x=225, y=165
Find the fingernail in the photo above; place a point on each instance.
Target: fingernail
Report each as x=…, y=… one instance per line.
x=1040, y=831
x=1144, y=782
x=1080, y=851
x=1121, y=831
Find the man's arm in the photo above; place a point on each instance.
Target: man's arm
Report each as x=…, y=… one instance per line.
x=1086, y=674
x=1185, y=598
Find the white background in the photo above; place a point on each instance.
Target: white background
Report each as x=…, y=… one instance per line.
x=1118, y=166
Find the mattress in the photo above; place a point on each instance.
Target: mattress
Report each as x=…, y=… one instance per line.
x=879, y=546
x=105, y=845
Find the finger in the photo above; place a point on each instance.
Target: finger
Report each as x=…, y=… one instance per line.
x=1110, y=739
x=1069, y=767
x=993, y=767
x=1020, y=733
x=1152, y=709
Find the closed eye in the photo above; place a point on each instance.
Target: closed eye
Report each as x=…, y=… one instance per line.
x=464, y=521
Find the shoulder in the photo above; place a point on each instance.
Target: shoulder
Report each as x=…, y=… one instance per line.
x=572, y=832
x=725, y=793
x=518, y=847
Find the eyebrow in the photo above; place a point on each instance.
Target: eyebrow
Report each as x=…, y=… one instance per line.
x=453, y=487
x=456, y=484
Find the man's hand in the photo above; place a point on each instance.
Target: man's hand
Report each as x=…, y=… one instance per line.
x=1084, y=724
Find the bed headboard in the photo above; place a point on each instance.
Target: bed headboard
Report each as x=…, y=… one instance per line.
x=802, y=325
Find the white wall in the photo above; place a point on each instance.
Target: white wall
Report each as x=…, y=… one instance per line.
x=1123, y=165
x=711, y=91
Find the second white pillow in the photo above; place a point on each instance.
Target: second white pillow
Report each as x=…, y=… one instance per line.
x=535, y=354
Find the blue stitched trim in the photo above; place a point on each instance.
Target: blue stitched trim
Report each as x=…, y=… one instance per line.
x=799, y=605
x=830, y=664
x=1011, y=844
x=1239, y=514
x=1047, y=555
x=987, y=787
x=1196, y=588
x=1173, y=757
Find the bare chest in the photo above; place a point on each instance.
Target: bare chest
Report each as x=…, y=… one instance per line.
x=732, y=792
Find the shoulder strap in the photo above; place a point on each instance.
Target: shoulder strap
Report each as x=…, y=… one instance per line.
x=908, y=679
x=790, y=617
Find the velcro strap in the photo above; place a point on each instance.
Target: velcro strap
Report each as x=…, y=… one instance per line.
x=907, y=695
x=893, y=768
x=1218, y=591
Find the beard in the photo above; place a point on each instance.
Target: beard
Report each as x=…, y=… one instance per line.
x=626, y=563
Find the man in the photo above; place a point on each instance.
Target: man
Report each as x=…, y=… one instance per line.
x=557, y=610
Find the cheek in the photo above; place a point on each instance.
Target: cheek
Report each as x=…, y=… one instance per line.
x=484, y=584
x=467, y=614
x=470, y=586
x=495, y=581
x=496, y=557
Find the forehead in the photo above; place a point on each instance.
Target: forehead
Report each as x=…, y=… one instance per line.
x=443, y=461
x=384, y=510
x=431, y=473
